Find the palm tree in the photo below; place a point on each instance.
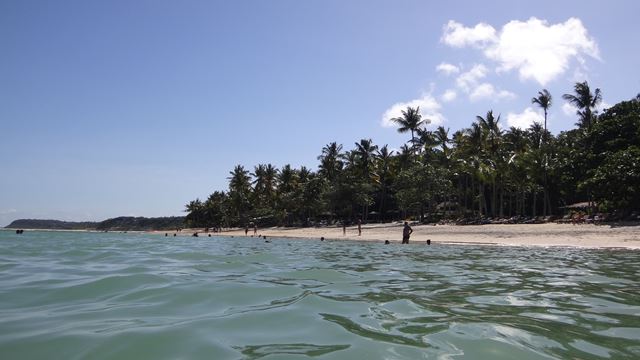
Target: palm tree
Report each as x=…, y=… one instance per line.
x=330, y=161
x=426, y=141
x=543, y=100
x=411, y=120
x=383, y=160
x=264, y=183
x=239, y=192
x=365, y=150
x=442, y=139
x=491, y=130
x=585, y=101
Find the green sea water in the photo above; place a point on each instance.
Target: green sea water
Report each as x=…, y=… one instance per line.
x=67, y=295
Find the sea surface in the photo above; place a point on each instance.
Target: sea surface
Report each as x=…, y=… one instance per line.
x=68, y=295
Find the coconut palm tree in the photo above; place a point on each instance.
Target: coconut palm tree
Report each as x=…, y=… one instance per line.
x=365, y=150
x=441, y=136
x=331, y=161
x=383, y=162
x=585, y=101
x=544, y=101
x=411, y=120
x=492, y=134
x=264, y=184
x=239, y=192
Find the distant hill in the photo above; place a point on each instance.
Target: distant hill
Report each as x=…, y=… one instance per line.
x=123, y=223
x=51, y=224
x=142, y=223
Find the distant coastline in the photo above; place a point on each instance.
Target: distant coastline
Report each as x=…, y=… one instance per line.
x=122, y=223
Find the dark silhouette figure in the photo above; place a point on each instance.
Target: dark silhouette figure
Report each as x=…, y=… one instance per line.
x=359, y=227
x=387, y=242
x=428, y=241
x=406, y=233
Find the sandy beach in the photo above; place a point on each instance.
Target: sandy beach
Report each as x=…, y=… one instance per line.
x=549, y=234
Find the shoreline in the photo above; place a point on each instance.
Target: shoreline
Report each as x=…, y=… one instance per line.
x=548, y=234
x=626, y=236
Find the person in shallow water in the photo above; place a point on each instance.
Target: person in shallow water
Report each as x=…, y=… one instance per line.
x=406, y=233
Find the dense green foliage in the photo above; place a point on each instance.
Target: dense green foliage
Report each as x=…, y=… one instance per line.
x=124, y=223
x=480, y=171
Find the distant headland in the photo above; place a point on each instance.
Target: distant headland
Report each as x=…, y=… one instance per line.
x=122, y=223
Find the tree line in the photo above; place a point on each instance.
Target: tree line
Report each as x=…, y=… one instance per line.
x=483, y=171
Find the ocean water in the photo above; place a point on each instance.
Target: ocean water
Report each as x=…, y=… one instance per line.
x=67, y=295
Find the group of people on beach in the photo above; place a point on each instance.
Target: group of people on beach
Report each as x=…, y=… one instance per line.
x=406, y=232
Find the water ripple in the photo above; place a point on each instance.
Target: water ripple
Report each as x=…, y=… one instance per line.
x=132, y=296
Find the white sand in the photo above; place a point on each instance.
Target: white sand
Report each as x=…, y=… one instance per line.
x=551, y=234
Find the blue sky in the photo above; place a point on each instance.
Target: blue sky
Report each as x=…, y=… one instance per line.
x=136, y=107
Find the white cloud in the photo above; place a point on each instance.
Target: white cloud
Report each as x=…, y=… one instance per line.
x=469, y=82
x=447, y=69
x=525, y=118
x=603, y=106
x=482, y=91
x=456, y=35
x=8, y=211
x=429, y=109
x=537, y=50
x=569, y=109
x=470, y=78
x=449, y=95
x=488, y=91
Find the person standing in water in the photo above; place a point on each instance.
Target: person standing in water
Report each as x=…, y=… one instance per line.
x=406, y=233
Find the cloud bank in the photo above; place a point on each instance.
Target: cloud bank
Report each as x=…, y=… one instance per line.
x=524, y=119
x=536, y=50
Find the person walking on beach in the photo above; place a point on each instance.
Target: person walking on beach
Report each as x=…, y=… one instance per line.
x=359, y=227
x=246, y=230
x=406, y=233
x=255, y=229
x=344, y=227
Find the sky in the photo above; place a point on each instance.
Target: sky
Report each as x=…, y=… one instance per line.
x=134, y=107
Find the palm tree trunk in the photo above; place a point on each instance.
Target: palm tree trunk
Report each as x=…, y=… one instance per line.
x=494, y=198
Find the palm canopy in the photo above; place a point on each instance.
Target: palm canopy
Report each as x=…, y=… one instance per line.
x=366, y=152
x=543, y=100
x=411, y=120
x=330, y=160
x=585, y=101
